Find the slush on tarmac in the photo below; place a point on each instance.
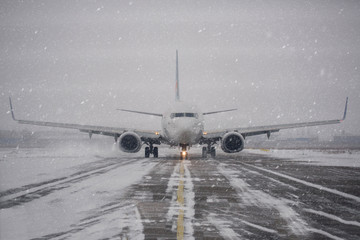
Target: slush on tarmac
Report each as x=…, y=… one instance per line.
x=91, y=193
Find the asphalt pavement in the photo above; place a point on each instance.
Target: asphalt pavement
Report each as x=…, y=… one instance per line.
x=239, y=196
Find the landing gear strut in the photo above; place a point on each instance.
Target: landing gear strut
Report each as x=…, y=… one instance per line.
x=204, y=152
x=208, y=150
x=151, y=150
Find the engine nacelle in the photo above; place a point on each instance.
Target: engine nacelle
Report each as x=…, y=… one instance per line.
x=232, y=142
x=129, y=142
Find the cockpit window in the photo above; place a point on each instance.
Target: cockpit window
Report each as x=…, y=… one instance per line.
x=176, y=115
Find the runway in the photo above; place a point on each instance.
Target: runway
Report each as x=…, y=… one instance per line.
x=63, y=194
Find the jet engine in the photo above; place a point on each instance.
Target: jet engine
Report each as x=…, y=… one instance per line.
x=129, y=142
x=232, y=142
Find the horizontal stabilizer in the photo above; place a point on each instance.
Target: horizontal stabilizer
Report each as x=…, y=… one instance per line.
x=207, y=113
x=146, y=113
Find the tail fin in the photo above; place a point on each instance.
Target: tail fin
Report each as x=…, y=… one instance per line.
x=177, y=96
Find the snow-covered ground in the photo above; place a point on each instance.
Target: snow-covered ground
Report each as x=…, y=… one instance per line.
x=61, y=190
x=86, y=191
x=341, y=158
x=21, y=166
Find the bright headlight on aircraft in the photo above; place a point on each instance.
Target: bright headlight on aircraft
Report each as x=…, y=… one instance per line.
x=183, y=153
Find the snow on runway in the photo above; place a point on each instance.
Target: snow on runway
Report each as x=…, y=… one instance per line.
x=58, y=194
x=62, y=206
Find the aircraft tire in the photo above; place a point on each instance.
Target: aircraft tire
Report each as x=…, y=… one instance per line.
x=213, y=152
x=156, y=152
x=147, y=152
x=204, y=152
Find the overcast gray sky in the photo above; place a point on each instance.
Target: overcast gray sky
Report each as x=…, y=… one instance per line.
x=277, y=61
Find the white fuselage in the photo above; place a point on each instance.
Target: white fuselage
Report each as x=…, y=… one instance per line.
x=182, y=124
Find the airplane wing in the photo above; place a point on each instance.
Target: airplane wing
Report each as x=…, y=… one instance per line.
x=160, y=115
x=251, y=131
x=108, y=131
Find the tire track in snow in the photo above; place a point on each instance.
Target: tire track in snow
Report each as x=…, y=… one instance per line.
x=313, y=185
x=252, y=197
x=223, y=226
x=114, y=216
x=325, y=230
x=84, y=169
x=326, y=234
x=332, y=217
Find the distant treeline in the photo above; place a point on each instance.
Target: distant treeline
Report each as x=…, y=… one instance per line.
x=26, y=138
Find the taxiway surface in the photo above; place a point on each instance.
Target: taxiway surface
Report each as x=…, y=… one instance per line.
x=250, y=195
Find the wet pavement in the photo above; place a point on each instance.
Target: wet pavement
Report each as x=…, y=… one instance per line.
x=240, y=196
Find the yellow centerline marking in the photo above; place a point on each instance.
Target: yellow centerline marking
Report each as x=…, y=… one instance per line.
x=180, y=225
x=180, y=200
x=265, y=150
x=180, y=193
x=182, y=168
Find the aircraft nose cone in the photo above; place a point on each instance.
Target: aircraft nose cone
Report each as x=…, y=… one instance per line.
x=187, y=132
x=185, y=137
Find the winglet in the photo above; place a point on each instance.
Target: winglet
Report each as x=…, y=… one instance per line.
x=12, y=110
x=177, y=97
x=346, y=104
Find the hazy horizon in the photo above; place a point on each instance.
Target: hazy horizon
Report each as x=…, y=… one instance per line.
x=277, y=62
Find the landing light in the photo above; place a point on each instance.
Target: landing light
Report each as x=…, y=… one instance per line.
x=157, y=133
x=183, y=153
x=204, y=133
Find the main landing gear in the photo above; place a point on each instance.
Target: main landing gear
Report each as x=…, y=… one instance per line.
x=151, y=150
x=208, y=150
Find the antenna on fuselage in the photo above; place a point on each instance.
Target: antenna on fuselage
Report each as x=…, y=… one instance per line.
x=177, y=96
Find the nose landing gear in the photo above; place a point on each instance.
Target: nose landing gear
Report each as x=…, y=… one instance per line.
x=184, y=153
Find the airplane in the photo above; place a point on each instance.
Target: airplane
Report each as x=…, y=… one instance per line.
x=182, y=126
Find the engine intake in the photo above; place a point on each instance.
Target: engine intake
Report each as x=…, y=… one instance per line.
x=232, y=142
x=130, y=142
